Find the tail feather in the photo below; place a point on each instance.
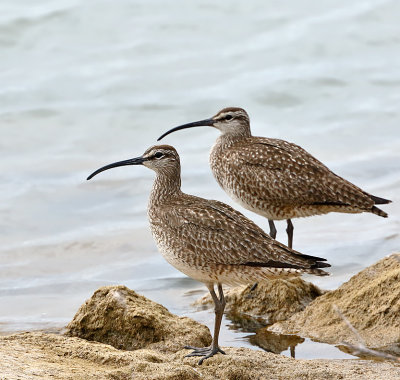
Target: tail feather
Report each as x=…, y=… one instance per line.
x=378, y=211
x=379, y=201
x=316, y=262
x=311, y=264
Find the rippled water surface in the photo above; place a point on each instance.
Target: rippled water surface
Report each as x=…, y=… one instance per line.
x=86, y=83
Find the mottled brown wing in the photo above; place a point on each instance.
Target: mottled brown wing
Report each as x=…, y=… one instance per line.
x=216, y=233
x=286, y=174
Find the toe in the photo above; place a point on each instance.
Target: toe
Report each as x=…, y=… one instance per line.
x=198, y=349
x=194, y=353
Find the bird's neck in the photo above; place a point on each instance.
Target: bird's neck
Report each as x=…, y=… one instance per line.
x=226, y=140
x=233, y=135
x=167, y=185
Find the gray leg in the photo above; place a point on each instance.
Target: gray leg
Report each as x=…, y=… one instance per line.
x=289, y=231
x=272, y=229
x=219, y=312
x=219, y=302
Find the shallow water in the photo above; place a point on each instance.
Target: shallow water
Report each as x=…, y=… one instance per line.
x=84, y=84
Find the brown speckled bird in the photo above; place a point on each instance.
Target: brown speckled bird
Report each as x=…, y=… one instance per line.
x=275, y=178
x=208, y=240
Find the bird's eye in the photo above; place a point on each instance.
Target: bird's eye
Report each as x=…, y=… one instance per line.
x=158, y=155
x=228, y=117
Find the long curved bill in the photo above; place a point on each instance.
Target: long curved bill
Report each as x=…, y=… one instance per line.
x=201, y=123
x=132, y=161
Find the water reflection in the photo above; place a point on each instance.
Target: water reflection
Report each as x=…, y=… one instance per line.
x=244, y=322
x=275, y=343
x=289, y=345
x=392, y=349
x=267, y=340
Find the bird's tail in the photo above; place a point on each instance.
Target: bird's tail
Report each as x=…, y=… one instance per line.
x=379, y=201
x=378, y=211
x=316, y=263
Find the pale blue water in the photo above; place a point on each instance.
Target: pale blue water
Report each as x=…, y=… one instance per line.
x=87, y=83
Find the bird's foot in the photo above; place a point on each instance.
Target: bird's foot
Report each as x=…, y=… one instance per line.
x=205, y=352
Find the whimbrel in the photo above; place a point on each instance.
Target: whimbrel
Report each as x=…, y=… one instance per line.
x=275, y=178
x=208, y=240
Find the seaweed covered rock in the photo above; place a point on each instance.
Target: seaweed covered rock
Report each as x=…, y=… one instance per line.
x=370, y=300
x=120, y=317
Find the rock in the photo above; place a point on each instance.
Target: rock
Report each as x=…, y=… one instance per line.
x=271, y=301
x=120, y=317
x=370, y=300
x=50, y=356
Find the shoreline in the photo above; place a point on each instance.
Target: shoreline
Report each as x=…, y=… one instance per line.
x=50, y=356
x=117, y=334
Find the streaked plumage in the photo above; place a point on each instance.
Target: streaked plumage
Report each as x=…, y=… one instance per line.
x=209, y=240
x=275, y=178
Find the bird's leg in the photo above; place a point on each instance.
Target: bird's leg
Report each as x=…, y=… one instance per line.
x=272, y=229
x=219, y=302
x=289, y=231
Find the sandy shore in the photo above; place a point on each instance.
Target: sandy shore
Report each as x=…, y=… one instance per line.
x=119, y=334
x=49, y=356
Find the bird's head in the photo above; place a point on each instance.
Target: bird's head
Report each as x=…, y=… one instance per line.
x=232, y=121
x=158, y=158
